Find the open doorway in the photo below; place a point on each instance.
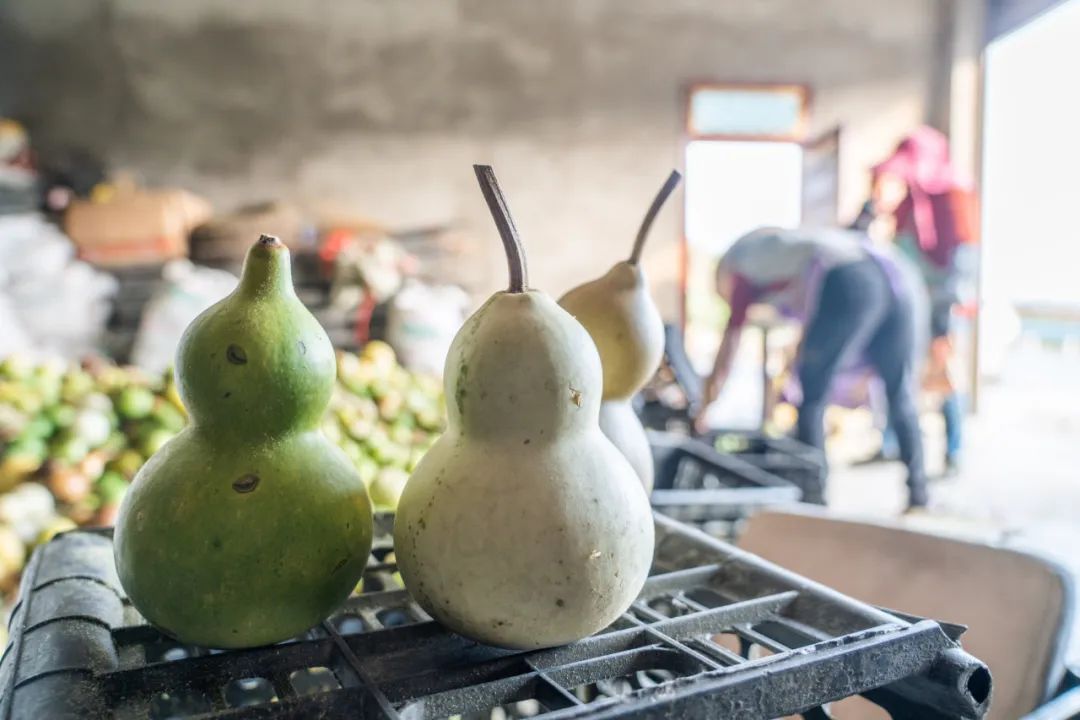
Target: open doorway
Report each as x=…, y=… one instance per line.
x=732, y=187
x=1031, y=186
x=747, y=166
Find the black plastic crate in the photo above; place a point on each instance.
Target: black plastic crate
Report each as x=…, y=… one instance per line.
x=695, y=483
x=716, y=633
x=786, y=458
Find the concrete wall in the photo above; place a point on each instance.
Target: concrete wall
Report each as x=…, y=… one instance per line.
x=382, y=105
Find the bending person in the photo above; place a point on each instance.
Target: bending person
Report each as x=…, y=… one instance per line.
x=853, y=302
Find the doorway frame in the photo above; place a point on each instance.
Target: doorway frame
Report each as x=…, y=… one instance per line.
x=689, y=135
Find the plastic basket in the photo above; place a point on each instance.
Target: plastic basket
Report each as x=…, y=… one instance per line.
x=695, y=483
x=783, y=457
x=716, y=633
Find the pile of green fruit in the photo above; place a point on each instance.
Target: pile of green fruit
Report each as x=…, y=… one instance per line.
x=83, y=432
x=384, y=418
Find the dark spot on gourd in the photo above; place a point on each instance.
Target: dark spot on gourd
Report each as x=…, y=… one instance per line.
x=227, y=395
x=236, y=355
x=527, y=441
x=303, y=348
x=560, y=602
x=340, y=564
x=216, y=543
x=462, y=381
x=245, y=483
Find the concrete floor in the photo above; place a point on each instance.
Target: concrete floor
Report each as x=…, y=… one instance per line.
x=1019, y=484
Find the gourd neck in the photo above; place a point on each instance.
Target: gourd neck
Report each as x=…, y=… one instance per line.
x=267, y=270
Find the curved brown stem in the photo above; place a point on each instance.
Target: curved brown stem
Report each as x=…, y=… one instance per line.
x=515, y=253
x=657, y=203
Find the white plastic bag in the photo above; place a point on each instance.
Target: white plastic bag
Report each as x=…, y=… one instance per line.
x=422, y=322
x=186, y=290
x=14, y=340
x=31, y=249
x=68, y=312
x=52, y=305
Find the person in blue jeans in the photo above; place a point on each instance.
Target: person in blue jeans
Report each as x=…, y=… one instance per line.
x=853, y=303
x=934, y=215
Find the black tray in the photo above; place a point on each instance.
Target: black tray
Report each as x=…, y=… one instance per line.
x=695, y=483
x=786, y=458
x=716, y=633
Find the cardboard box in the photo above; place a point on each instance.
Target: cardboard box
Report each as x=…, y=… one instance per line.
x=135, y=227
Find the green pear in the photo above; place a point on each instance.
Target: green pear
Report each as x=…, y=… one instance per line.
x=626, y=326
x=523, y=526
x=248, y=527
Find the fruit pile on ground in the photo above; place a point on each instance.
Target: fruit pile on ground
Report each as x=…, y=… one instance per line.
x=82, y=433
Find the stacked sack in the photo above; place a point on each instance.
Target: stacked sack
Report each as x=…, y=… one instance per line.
x=50, y=303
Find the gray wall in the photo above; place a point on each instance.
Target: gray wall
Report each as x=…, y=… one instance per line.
x=381, y=106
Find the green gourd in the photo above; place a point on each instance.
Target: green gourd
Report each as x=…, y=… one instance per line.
x=523, y=526
x=248, y=527
x=622, y=319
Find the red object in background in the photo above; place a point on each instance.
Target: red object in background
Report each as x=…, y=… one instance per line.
x=332, y=245
x=967, y=311
x=364, y=312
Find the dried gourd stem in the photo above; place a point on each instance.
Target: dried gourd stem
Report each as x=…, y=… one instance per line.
x=515, y=253
x=654, y=209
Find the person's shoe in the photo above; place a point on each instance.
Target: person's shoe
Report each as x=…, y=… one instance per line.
x=952, y=466
x=881, y=456
x=917, y=501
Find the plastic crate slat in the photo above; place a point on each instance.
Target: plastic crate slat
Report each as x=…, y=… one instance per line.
x=254, y=662
x=65, y=644
x=354, y=663
x=557, y=693
x=347, y=703
x=714, y=620
x=704, y=660
x=75, y=597
x=723, y=655
x=682, y=628
x=476, y=698
x=667, y=582
x=390, y=655
x=771, y=642
x=58, y=696
x=788, y=633
x=84, y=555
x=404, y=688
x=783, y=685
x=625, y=663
